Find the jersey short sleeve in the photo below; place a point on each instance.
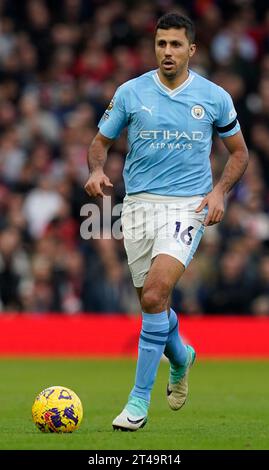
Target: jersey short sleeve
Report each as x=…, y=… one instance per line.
x=115, y=117
x=226, y=122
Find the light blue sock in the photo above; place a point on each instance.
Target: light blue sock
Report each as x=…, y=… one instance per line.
x=153, y=337
x=175, y=350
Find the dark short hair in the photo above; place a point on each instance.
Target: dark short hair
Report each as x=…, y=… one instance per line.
x=174, y=20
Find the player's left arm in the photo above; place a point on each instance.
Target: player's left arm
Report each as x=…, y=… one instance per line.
x=233, y=171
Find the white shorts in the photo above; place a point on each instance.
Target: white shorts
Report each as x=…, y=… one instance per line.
x=154, y=225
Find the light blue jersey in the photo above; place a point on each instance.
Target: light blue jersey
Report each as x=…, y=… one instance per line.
x=169, y=132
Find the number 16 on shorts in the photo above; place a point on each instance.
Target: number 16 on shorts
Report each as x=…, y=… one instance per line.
x=184, y=234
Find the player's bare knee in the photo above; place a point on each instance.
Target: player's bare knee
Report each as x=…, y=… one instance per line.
x=153, y=300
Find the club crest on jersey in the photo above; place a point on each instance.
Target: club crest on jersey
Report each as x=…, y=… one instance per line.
x=197, y=111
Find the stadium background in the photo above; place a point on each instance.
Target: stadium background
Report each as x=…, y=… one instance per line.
x=60, y=63
x=69, y=313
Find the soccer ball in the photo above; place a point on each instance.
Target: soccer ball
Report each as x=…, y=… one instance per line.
x=57, y=409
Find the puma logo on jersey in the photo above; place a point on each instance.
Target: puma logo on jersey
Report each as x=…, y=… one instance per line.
x=149, y=110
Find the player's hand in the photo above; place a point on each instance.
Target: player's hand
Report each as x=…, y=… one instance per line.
x=215, y=203
x=96, y=182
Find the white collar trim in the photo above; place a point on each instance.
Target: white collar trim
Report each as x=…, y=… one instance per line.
x=176, y=90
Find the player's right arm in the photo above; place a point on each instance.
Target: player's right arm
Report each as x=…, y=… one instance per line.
x=114, y=119
x=97, y=156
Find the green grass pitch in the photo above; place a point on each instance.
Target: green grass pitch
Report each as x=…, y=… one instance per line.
x=227, y=406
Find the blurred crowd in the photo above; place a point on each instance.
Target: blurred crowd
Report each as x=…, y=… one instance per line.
x=60, y=63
